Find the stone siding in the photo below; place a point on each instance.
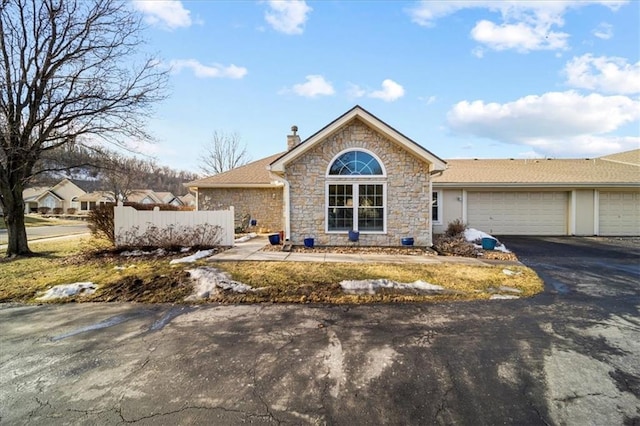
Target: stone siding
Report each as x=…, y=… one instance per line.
x=408, y=197
x=262, y=204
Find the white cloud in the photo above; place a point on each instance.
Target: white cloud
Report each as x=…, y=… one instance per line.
x=603, y=31
x=553, y=123
x=287, y=16
x=391, y=91
x=169, y=14
x=428, y=100
x=521, y=36
x=355, y=91
x=604, y=74
x=525, y=25
x=315, y=86
x=208, y=71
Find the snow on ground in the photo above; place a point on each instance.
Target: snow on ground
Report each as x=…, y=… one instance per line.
x=68, y=290
x=136, y=253
x=195, y=256
x=246, y=238
x=503, y=297
x=210, y=281
x=472, y=235
x=371, y=286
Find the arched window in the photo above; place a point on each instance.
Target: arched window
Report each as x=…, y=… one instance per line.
x=355, y=163
x=356, y=193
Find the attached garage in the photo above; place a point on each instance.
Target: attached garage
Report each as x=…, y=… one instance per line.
x=518, y=212
x=619, y=213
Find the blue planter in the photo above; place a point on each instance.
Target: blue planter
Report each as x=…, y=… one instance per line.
x=308, y=242
x=488, y=243
x=254, y=222
x=407, y=241
x=354, y=236
x=274, y=239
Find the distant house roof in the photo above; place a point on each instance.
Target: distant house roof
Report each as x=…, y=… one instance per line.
x=97, y=196
x=551, y=172
x=139, y=196
x=33, y=194
x=254, y=174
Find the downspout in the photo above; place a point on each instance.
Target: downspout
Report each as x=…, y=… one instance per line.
x=287, y=211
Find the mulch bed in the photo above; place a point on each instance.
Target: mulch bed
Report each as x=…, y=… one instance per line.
x=399, y=250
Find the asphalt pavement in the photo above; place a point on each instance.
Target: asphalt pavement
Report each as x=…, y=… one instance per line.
x=42, y=232
x=570, y=356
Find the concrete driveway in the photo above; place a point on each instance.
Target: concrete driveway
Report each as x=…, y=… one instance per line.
x=570, y=356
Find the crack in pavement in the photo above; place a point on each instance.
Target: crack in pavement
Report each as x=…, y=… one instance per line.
x=191, y=407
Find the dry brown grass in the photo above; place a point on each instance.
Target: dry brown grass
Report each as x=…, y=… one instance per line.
x=151, y=279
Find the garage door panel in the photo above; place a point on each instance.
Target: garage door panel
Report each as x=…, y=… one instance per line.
x=619, y=213
x=518, y=213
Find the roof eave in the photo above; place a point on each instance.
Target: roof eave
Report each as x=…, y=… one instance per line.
x=235, y=185
x=534, y=184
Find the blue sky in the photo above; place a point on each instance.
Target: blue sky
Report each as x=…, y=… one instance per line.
x=465, y=79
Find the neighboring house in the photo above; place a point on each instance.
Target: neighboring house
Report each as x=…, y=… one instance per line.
x=188, y=200
x=358, y=173
x=144, y=196
x=89, y=201
x=64, y=195
x=169, y=198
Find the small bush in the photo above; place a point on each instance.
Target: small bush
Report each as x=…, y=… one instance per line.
x=454, y=245
x=172, y=237
x=44, y=210
x=101, y=221
x=454, y=228
x=72, y=210
x=58, y=210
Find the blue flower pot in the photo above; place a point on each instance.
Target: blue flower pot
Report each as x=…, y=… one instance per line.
x=354, y=235
x=488, y=243
x=308, y=242
x=407, y=241
x=254, y=222
x=274, y=239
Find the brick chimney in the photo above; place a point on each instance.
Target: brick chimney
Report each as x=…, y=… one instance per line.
x=293, y=140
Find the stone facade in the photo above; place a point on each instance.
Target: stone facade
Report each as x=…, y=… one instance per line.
x=262, y=204
x=407, y=188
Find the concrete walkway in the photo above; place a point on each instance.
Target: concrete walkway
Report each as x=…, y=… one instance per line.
x=251, y=251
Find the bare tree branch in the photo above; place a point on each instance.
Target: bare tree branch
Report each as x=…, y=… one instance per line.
x=224, y=152
x=69, y=69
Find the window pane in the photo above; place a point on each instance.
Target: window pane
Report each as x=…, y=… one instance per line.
x=371, y=209
x=355, y=163
x=434, y=207
x=340, y=209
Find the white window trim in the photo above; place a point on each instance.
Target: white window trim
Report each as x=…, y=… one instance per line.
x=343, y=177
x=439, y=221
x=355, y=182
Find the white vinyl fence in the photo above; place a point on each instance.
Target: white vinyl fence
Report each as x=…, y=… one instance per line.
x=128, y=220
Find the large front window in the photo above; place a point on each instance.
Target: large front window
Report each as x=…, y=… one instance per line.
x=353, y=201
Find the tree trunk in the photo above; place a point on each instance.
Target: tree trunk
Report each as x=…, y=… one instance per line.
x=14, y=218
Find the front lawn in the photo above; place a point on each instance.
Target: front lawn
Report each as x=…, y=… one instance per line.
x=152, y=279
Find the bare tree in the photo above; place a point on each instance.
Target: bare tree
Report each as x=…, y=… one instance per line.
x=224, y=152
x=71, y=71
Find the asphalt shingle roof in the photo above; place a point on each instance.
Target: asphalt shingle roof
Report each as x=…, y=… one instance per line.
x=254, y=173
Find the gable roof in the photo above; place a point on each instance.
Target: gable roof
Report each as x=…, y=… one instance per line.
x=252, y=175
x=436, y=163
x=97, y=196
x=138, y=196
x=539, y=172
x=627, y=157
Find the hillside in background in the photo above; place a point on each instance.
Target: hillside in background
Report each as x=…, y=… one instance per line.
x=105, y=170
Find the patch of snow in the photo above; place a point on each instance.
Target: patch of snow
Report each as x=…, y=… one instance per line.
x=136, y=253
x=371, y=286
x=195, y=256
x=509, y=272
x=185, y=249
x=246, y=237
x=68, y=290
x=472, y=235
x=509, y=289
x=122, y=268
x=503, y=297
x=211, y=281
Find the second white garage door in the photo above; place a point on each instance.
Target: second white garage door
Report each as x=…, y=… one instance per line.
x=518, y=213
x=619, y=213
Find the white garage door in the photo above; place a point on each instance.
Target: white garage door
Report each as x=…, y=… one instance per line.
x=518, y=213
x=619, y=213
